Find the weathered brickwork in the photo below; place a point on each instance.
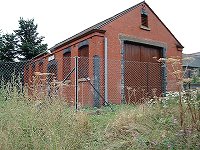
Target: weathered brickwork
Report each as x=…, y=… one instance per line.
x=127, y=25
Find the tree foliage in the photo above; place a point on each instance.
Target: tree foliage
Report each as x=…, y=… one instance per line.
x=30, y=44
x=8, y=44
x=24, y=44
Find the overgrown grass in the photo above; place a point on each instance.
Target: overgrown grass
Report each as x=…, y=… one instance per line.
x=24, y=125
x=150, y=128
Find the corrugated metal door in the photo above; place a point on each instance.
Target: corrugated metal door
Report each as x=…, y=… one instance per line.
x=142, y=76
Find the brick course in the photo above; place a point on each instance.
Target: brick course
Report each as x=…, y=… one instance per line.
x=128, y=25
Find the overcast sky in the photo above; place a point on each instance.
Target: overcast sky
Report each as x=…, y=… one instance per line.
x=59, y=19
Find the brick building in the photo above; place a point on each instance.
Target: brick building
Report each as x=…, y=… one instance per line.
x=135, y=35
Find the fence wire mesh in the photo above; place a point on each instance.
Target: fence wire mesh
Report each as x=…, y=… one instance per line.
x=127, y=81
x=10, y=69
x=135, y=83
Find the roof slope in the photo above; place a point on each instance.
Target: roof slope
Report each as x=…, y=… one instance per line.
x=99, y=25
x=196, y=54
x=195, y=62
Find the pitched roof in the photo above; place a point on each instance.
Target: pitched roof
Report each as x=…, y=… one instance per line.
x=99, y=25
x=194, y=62
x=96, y=26
x=196, y=54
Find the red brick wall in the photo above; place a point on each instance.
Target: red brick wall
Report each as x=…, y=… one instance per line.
x=128, y=24
x=96, y=47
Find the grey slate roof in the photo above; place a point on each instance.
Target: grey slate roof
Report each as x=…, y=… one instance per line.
x=197, y=54
x=195, y=62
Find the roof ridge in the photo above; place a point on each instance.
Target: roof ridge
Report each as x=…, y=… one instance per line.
x=106, y=21
x=96, y=26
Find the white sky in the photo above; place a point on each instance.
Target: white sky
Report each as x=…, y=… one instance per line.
x=59, y=19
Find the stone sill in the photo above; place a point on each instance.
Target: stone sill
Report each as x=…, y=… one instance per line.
x=145, y=28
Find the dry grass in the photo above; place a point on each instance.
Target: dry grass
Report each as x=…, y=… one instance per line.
x=150, y=128
x=26, y=124
x=55, y=126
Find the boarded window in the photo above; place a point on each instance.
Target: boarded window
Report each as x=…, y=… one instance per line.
x=83, y=53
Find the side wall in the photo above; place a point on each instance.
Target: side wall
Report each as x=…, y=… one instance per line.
x=96, y=48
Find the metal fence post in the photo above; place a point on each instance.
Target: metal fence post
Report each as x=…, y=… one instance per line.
x=76, y=83
x=106, y=70
x=164, y=73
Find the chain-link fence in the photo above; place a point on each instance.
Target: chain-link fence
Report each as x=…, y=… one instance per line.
x=10, y=70
x=97, y=82
x=94, y=82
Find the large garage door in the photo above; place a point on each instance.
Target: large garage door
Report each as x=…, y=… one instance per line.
x=143, y=74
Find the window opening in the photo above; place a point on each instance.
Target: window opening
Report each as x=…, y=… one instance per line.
x=66, y=64
x=144, y=19
x=83, y=53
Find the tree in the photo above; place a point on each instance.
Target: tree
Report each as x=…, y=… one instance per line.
x=8, y=44
x=30, y=44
